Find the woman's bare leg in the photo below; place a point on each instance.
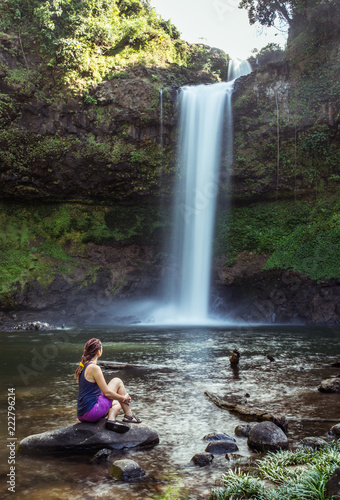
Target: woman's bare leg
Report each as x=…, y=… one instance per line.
x=114, y=410
x=116, y=385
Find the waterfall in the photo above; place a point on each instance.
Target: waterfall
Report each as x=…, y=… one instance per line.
x=237, y=68
x=205, y=126
x=202, y=112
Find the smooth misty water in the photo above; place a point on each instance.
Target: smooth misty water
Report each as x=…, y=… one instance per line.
x=205, y=128
x=168, y=395
x=202, y=114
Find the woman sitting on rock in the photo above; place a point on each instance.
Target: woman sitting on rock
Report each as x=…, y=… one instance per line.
x=96, y=398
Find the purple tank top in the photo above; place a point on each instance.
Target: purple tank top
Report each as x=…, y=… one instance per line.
x=88, y=394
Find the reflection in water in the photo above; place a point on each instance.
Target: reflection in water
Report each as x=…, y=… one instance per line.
x=169, y=396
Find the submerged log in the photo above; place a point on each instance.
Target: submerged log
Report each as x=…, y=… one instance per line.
x=116, y=365
x=248, y=413
x=318, y=420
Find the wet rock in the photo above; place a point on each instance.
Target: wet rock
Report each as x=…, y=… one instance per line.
x=312, y=442
x=104, y=455
x=333, y=485
x=335, y=430
x=221, y=447
x=235, y=457
x=330, y=385
x=218, y=436
x=243, y=430
x=126, y=470
x=34, y=325
x=202, y=459
x=234, y=358
x=266, y=436
x=86, y=437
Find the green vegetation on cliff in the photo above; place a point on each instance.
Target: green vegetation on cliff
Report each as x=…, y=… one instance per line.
x=77, y=43
x=40, y=241
x=303, y=236
x=79, y=97
x=287, y=146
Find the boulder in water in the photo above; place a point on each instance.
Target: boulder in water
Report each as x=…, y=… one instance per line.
x=243, y=430
x=335, y=430
x=85, y=437
x=333, y=485
x=221, y=447
x=312, y=442
x=218, y=436
x=202, y=459
x=266, y=436
x=126, y=470
x=330, y=385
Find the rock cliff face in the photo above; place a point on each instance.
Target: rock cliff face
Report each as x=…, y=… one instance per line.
x=282, y=148
x=102, y=146
x=70, y=150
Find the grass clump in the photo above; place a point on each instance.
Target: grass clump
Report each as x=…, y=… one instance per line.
x=293, y=475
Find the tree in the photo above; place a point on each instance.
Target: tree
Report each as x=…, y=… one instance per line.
x=266, y=12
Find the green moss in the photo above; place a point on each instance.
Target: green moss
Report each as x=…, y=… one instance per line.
x=39, y=241
x=304, y=236
x=19, y=149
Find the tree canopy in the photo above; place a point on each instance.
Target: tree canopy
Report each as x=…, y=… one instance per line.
x=266, y=12
x=269, y=12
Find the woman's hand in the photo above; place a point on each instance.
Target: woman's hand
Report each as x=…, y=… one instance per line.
x=126, y=399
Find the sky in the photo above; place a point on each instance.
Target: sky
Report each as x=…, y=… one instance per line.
x=218, y=23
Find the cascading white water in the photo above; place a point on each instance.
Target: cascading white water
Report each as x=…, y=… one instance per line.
x=237, y=68
x=205, y=115
x=200, y=140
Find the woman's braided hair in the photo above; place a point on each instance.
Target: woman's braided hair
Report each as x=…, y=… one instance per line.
x=91, y=348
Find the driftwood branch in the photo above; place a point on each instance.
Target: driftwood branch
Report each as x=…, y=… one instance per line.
x=320, y=420
x=248, y=413
x=116, y=365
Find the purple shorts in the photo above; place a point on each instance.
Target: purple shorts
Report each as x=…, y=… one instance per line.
x=98, y=411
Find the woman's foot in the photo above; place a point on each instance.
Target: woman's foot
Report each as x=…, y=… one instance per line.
x=131, y=418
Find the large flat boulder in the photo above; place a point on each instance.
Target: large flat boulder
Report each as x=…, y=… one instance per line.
x=85, y=437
